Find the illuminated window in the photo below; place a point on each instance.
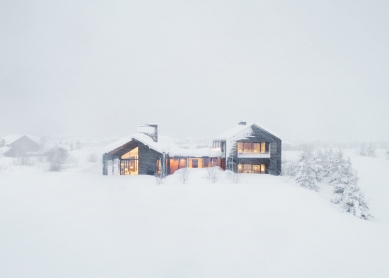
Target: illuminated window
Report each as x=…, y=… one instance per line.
x=263, y=147
x=256, y=147
x=244, y=147
x=240, y=147
x=247, y=168
x=263, y=169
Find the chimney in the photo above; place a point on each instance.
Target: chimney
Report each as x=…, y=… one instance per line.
x=150, y=130
x=242, y=123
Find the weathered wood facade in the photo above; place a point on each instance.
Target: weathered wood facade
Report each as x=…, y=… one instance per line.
x=141, y=154
x=148, y=160
x=257, y=135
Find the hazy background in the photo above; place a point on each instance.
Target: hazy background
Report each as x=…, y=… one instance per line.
x=305, y=69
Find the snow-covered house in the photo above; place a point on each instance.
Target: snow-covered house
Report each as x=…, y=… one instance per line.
x=249, y=148
x=246, y=148
x=21, y=145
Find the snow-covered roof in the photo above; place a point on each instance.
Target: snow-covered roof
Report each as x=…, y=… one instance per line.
x=9, y=139
x=164, y=145
x=238, y=130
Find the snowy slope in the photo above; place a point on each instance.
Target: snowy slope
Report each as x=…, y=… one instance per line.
x=78, y=223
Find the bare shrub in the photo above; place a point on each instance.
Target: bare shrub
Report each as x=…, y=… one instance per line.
x=183, y=174
x=235, y=177
x=93, y=157
x=25, y=161
x=214, y=174
x=158, y=179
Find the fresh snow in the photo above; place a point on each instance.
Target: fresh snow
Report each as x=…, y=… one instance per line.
x=78, y=223
x=164, y=145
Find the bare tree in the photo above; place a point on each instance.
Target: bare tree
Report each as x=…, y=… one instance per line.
x=93, y=157
x=214, y=174
x=183, y=174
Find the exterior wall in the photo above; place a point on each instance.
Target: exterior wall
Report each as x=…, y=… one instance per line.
x=273, y=164
x=147, y=160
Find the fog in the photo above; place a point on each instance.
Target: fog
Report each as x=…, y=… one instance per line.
x=307, y=70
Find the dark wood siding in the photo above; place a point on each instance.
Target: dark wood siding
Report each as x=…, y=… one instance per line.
x=273, y=164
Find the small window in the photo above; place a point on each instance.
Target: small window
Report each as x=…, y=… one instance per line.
x=195, y=163
x=205, y=162
x=263, y=168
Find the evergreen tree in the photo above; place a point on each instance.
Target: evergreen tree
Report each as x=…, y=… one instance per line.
x=335, y=165
x=354, y=202
x=362, y=149
x=346, y=191
x=78, y=145
x=327, y=162
x=305, y=176
x=370, y=151
x=317, y=165
x=343, y=176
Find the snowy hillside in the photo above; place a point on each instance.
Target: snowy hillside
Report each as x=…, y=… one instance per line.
x=78, y=223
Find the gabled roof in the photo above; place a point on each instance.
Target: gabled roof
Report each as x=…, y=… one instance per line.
x=9, y=139
x=139, y=137
x=240, y=130
x=165, y=145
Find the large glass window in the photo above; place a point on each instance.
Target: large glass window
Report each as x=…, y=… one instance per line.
x=244, y=147
x=249, y=168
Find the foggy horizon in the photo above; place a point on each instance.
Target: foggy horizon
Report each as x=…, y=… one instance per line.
x=305, y=71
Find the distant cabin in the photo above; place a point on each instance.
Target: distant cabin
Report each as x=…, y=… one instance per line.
x=246, y=148
x=21, y=146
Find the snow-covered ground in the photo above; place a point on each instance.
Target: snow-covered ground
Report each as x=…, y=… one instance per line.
x=78, y=223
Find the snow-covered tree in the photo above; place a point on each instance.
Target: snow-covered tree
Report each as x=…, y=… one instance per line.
x=363, y=149
x=77, y=145
x=71, y=146
x=342, y=176
x=327, y=162
x=335, y=164
x=354, y=202
x=317, y=165
x=305, y=175
x=347, y=192
x=370, y=151
x=2, y=143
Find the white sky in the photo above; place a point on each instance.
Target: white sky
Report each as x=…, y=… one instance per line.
x=306, y=69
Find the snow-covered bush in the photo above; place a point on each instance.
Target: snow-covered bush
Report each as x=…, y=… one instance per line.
x=93, y=157
x=236, y=177
x=57, y=157
x=214, y=174
x=289, y=168
x=183, y=174
x=305, y=175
